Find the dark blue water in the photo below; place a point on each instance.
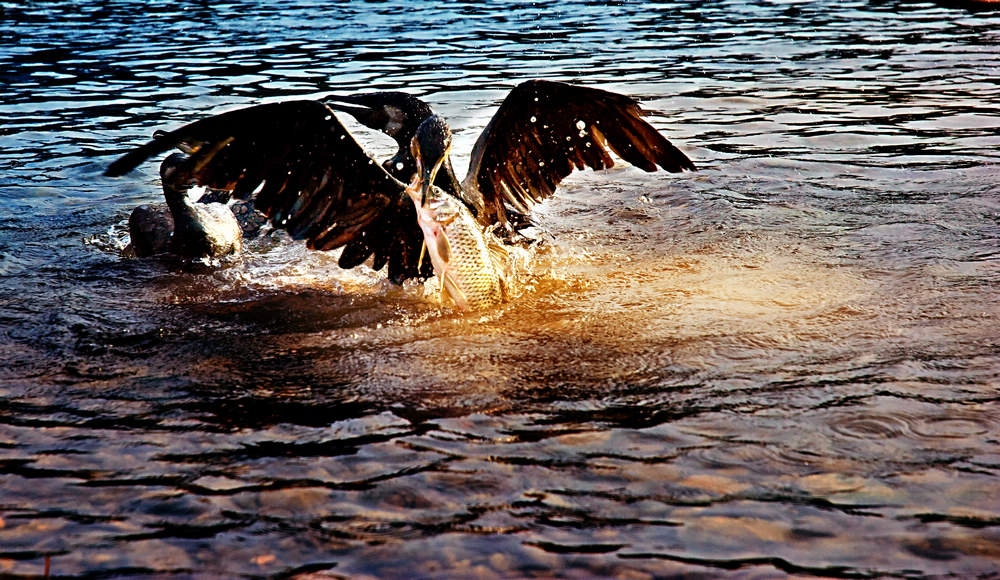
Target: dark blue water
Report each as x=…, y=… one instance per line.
x=784, y=365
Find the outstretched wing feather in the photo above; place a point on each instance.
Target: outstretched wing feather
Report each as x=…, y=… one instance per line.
x=305, y=172
x=544, y=130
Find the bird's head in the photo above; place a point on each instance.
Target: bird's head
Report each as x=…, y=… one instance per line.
x=430, y=146
x=394, y=113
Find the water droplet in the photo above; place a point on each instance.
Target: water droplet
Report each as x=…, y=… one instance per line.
x=569, y=137
x=533, y=118
x=581, y=125
x=588, y=143
x=399, y=166
x=583, y=134
x=541, y=164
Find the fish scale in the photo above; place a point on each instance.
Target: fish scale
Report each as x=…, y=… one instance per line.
x=471, y=263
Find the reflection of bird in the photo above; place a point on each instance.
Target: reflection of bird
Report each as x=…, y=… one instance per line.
x=309, y=176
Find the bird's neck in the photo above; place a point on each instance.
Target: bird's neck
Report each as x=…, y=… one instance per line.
x=471, y=197
x=402, y=166
x=447, y=180
x=177, y=199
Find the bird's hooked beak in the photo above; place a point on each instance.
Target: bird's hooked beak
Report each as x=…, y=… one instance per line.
x=367, y=109
x=427, y=168
x=371, y=110
x=356, y=108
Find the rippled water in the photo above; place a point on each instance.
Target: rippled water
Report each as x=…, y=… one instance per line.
x=786, y=364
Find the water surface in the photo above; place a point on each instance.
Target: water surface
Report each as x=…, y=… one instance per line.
x=785, y=364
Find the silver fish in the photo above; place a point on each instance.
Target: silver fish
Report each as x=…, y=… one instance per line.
x=474, y=268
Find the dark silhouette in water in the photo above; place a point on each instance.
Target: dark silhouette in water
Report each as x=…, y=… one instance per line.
x=207, y=227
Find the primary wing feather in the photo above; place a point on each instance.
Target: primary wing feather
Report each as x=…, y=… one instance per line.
x=544, y=130
x=306, y=173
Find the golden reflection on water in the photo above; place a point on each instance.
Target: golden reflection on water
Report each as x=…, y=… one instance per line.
x=676, y=341
x=586, y=311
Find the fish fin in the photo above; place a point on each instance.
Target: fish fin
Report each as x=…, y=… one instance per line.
x=444, y=247
x=499, y=254
x=450, y=287
x=503, y=265
x=423, y=250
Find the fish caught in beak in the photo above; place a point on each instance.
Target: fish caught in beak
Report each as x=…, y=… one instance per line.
x=430, y=147
x=426, y=173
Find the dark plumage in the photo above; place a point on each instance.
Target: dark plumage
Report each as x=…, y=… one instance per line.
x=534, y=140
x=307, y=174
x=544, y=130
x=398, y=115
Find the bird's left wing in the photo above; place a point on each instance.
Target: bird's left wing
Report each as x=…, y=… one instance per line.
x=306, y=173
x=544, y=130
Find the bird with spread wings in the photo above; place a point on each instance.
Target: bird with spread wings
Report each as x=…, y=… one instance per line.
x=305, y=172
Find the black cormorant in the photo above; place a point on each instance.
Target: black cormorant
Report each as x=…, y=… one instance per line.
x=183, y=227
x=308, y=175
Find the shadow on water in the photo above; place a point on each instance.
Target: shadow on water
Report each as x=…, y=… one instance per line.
x=784, y=365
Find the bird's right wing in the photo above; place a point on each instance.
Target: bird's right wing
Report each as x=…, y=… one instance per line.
x=306, y=173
